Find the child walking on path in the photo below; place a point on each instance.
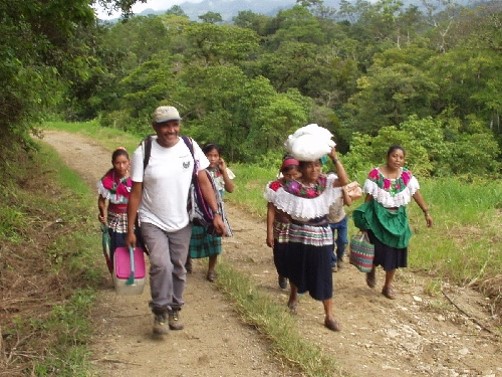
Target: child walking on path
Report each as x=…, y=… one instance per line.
x=114, y=190
x=338, y=222
x=202, y=244
x=278, y=221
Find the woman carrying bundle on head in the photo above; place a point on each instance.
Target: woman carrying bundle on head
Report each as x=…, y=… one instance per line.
x=306, y=201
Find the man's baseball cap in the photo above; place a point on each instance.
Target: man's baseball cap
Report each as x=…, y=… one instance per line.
x=164, y=114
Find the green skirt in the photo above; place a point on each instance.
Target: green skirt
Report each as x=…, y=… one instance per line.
x=390, y=227
x=203, y=245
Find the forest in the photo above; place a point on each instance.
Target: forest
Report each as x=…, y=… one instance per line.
x=426, y=76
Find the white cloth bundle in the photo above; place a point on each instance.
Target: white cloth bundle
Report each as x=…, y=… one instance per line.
x=309, y=143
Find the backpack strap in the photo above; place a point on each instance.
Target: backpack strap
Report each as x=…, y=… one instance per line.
x=147, y=150
x=189, y=143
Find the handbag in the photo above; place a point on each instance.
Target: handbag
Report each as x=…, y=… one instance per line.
x=362, y=252
x=354, y=190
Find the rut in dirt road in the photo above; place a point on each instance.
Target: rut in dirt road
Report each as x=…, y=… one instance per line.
x=415, y=335
x=214, y=341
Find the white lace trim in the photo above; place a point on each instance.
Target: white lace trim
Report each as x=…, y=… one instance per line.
x=388, y=200
x=304, y=209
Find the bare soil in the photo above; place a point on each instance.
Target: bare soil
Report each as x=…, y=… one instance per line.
x=450, y=333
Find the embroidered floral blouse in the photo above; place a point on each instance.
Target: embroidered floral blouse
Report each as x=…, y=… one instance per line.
x=116, y=190
x=391, y=193
x=303, y=202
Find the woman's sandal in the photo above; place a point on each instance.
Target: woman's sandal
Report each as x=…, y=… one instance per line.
x=211, y=276
x=292, y=306
x=332, y=324
x=371, y=278
x=389, y=293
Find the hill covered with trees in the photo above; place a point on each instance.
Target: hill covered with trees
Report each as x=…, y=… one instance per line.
x=373, y=73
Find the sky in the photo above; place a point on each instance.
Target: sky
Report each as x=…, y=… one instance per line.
x=150, y=4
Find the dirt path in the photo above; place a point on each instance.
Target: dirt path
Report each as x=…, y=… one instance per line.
x=415, y=335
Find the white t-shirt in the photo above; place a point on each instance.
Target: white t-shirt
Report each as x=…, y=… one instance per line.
x=166, y=183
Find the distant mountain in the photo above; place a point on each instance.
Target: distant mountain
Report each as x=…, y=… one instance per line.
x=230, y=8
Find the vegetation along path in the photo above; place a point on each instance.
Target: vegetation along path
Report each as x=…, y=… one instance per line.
x=444, y=332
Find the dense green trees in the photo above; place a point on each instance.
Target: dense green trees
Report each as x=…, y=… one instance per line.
x=373, y=73
x=46, y=52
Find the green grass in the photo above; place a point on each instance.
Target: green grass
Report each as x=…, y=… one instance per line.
x=46, y=218
x=275, y=324
x=250, y=184
x=69, y=355
x=463, y=244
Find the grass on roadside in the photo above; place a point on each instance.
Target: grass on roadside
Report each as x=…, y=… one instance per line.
x=46, y=236
x=275, y=324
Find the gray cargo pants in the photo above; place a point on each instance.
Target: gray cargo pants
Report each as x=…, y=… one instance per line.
x=168, y=255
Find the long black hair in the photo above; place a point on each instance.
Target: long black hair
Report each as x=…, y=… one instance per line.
x=119, y=152
x=209, y=147
x=393, y=148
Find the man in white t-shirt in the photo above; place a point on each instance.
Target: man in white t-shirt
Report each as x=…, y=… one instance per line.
x=159, y=198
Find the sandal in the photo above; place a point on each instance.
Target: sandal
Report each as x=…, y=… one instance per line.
x=332, y=324
x=292, y=305
x=211, y=276
x=371, y=278
x=389, y=292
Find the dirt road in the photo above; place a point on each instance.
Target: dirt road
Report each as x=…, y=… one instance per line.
x=415, y=335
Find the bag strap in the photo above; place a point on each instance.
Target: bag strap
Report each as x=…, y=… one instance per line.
x=147, y=150
x=189, y=143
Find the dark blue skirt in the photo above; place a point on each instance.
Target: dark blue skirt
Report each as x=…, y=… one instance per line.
x=281, y=258
x=309, y=269
x=388, y=257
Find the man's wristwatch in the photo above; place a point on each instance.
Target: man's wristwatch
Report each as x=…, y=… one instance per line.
x=217, y=212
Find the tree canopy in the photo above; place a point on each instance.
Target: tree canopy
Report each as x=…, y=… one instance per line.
x=371, y=72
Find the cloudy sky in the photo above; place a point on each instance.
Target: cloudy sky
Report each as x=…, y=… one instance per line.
x=150, y=4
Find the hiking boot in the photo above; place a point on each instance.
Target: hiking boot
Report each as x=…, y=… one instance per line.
x=283, y=282
x=159, y=324
x=174, y=320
